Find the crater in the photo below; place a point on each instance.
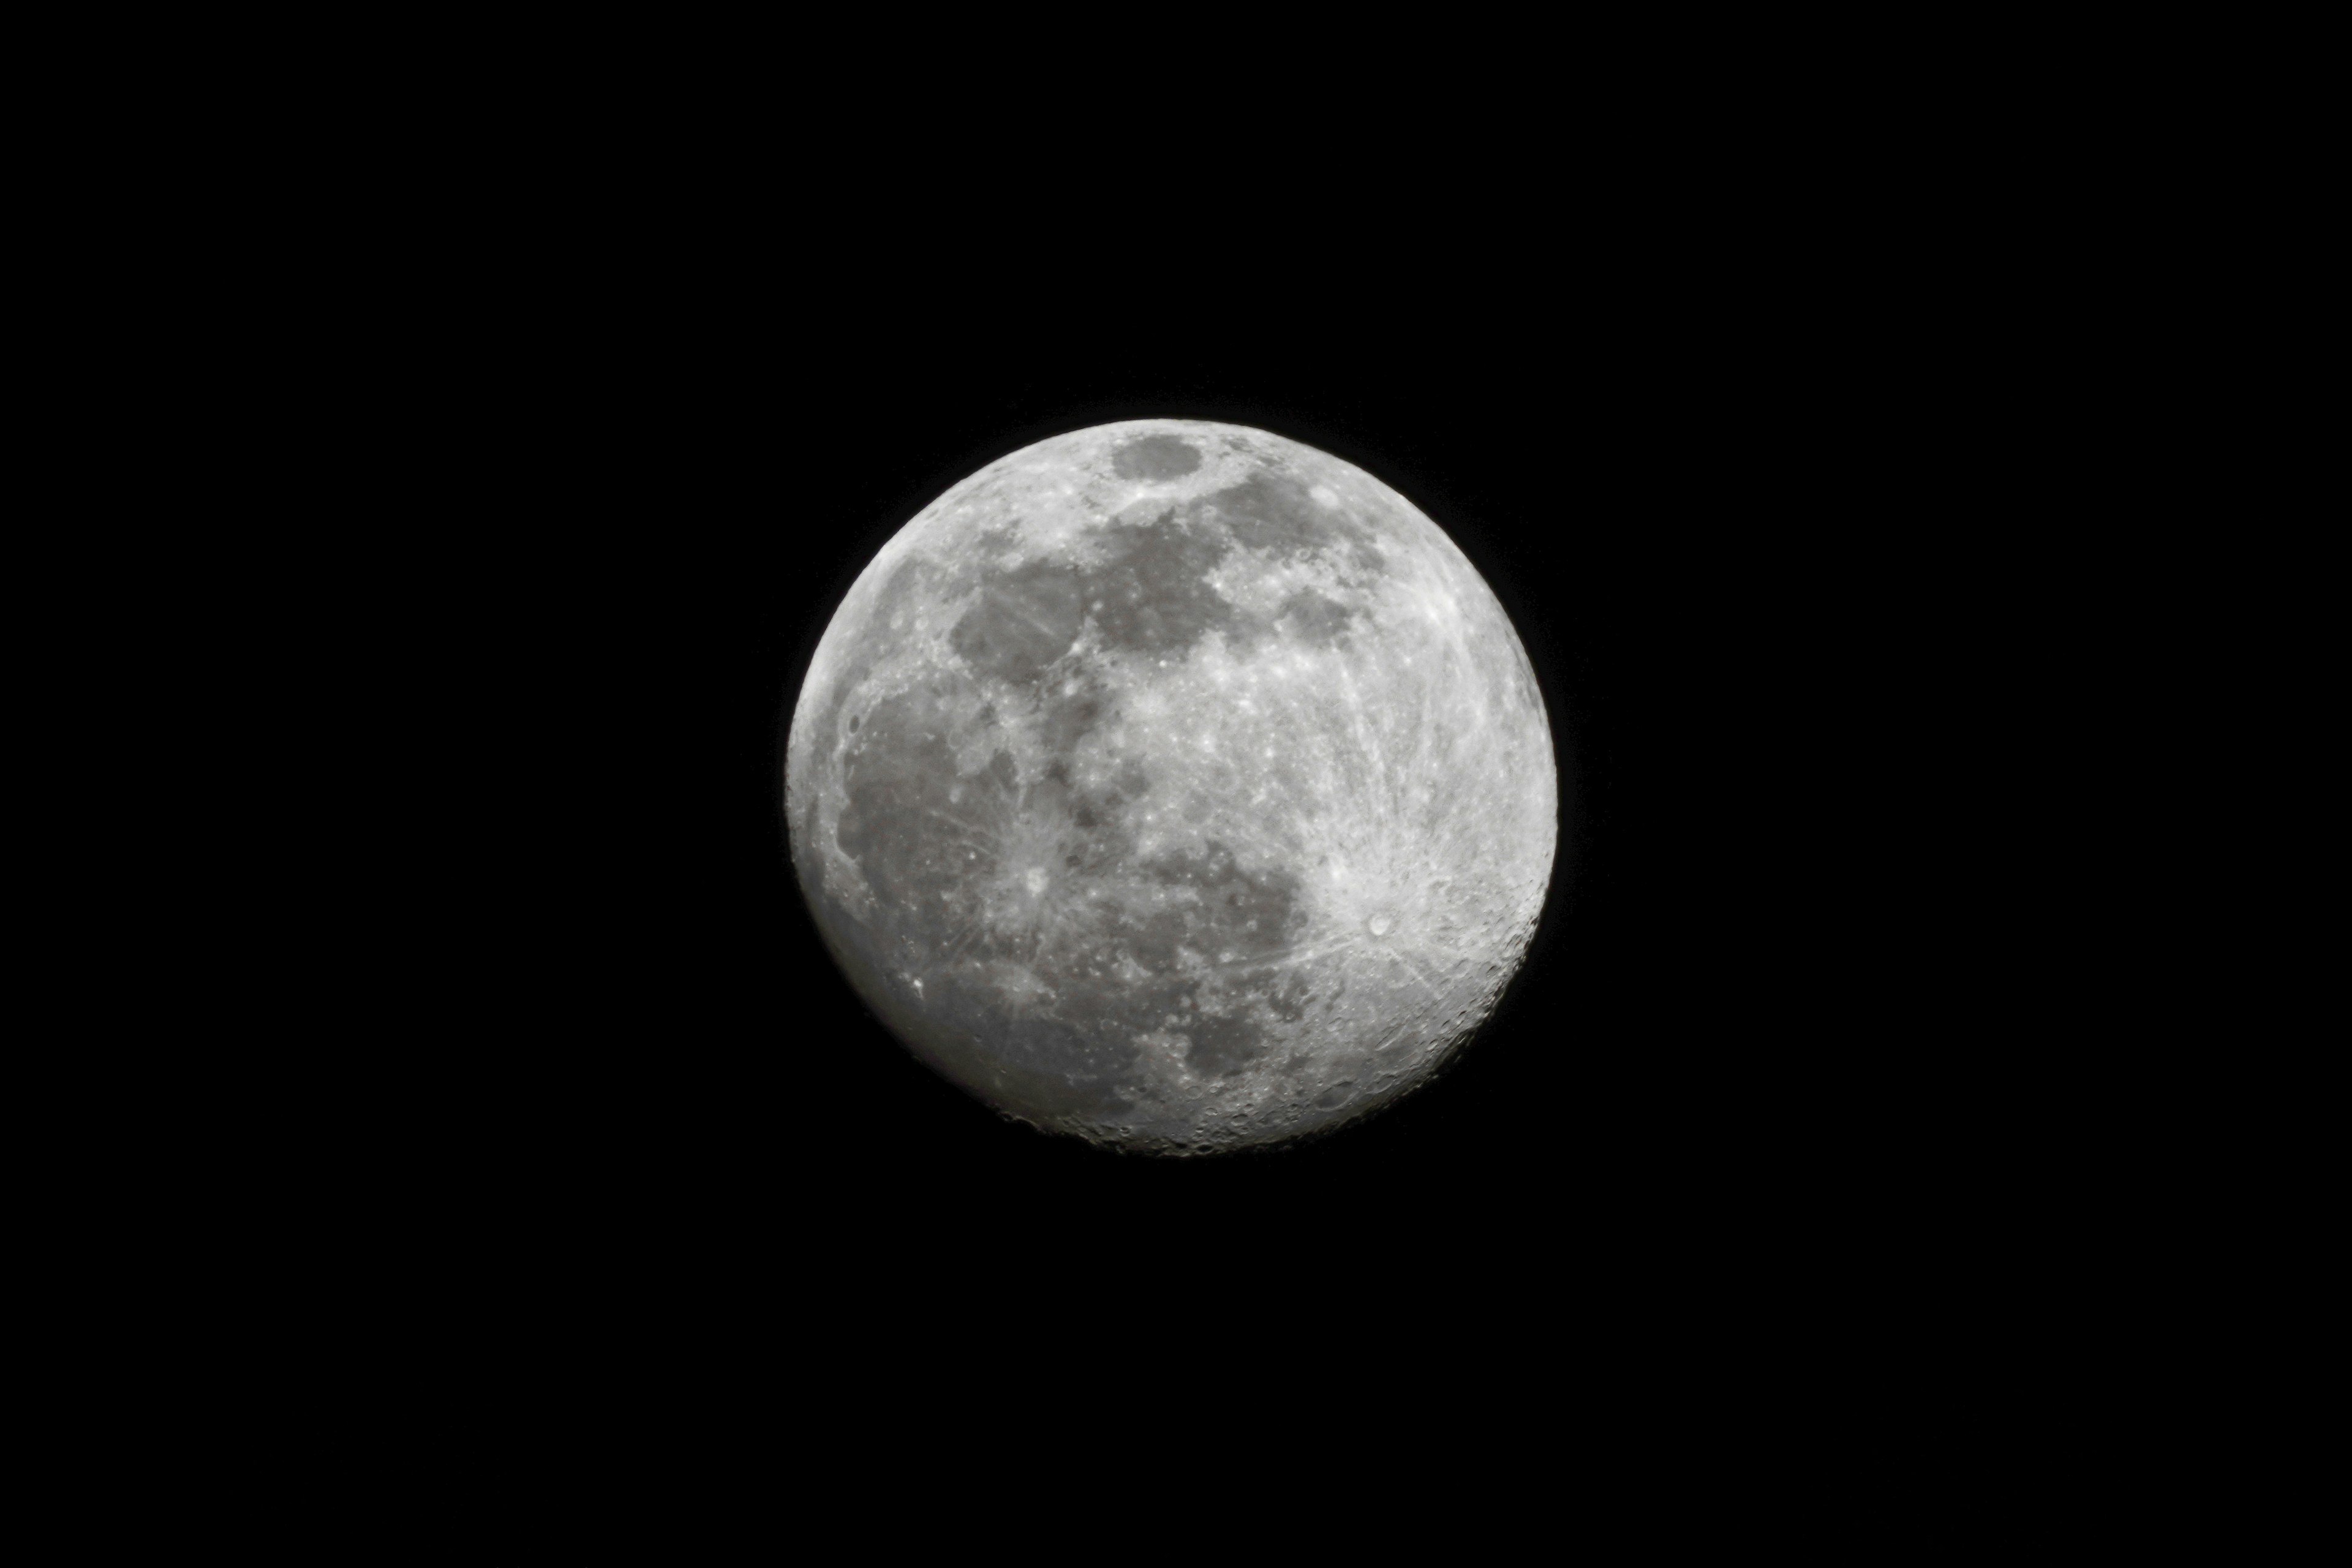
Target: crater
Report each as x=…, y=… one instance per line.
x=1154, y=457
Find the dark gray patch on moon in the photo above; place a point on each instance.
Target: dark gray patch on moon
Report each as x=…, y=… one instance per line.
x=1273, y=512
x=917, y=835
x=1194, y=965
x=1149, y=594
x=1071, y=712
x=1155, y=458
x=1153, y=596
x=930, y=842
x=1312, y=618
x=1026, y=618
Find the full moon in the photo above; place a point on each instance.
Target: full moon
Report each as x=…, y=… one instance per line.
x=1174, y=786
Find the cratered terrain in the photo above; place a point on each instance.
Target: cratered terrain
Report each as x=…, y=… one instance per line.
x=1175, y=785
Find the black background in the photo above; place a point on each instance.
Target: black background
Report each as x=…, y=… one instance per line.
x=653, y=1074
x=586, y=1121
x=575, y=1100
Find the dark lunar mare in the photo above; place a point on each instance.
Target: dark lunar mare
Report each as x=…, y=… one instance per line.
x=1312, y=618
x=929, y=840
x=1273, y=512
x=1026, y=618
x=1153, y=596
x=1197, y=964
x=1154, y=457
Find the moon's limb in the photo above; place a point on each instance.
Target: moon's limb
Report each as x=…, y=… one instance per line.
x=1176, y=786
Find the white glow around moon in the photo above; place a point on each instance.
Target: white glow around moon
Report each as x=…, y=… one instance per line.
x=1175, y=785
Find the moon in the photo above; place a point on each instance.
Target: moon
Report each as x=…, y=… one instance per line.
x=1174, y=786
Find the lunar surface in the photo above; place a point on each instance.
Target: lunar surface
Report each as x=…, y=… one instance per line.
x=1174, y=786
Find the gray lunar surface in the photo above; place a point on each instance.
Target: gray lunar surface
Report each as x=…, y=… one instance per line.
x=1174, y=786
